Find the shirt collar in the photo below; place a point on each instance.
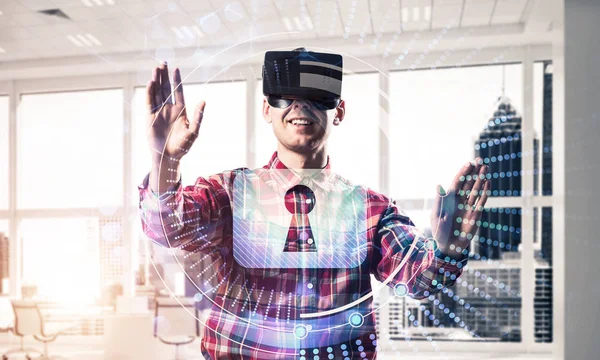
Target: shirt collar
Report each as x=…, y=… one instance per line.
x=289, y=178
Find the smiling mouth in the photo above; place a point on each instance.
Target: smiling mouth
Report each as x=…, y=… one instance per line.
x=301, y=121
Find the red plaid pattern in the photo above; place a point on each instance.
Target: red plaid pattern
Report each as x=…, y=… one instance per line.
x=257, y=311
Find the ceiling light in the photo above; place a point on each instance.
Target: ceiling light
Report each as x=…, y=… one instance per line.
x=93, y=39
x=81, y=40
x=198, y=31
x=427, y=13
x=188, y=32
x=177, y=32
x=1, y=13
x=84, y=40
x=2, y=51
x=309, y=23
x=287, y=23
x=416, y=13
x=90, y=3
x=74, y=41
x=298, y=23
x=404, y=15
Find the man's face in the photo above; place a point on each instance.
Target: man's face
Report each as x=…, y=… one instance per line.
x=301, y=127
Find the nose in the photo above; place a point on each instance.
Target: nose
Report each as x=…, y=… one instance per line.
x=299, y=104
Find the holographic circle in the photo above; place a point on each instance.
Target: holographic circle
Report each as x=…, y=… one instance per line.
x=356, y=320
x=300, y=331
x=401, y=290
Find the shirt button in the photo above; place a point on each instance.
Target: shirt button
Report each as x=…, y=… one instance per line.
x=308, y=201
x=310, y=240
x=309, y=285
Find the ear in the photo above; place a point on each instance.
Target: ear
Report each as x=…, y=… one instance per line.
x=266, y=111
x=340, y=111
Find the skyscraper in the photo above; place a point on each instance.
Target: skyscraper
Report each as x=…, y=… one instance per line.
x=500, y=147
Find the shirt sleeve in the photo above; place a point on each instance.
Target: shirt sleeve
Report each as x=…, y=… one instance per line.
x=191, y=218
x=407, y=257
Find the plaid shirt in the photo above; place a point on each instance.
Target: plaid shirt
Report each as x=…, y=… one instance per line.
x=256, y=311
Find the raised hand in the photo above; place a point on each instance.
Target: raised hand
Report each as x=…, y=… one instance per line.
x=456, y=213
x=170, y=132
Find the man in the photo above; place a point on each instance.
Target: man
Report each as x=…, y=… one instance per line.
x=296, y=311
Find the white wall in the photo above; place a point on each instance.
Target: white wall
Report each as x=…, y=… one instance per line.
x=582, y=175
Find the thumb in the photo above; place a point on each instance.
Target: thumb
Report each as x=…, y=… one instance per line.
x=437, y=203
x=197, y=119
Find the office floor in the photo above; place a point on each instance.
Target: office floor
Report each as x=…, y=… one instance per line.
x=90, y=348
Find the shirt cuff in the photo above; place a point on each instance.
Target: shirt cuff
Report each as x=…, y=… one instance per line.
x=165, y=196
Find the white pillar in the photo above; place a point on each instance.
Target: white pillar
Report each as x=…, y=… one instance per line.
x=578, y=157
x=14, y=242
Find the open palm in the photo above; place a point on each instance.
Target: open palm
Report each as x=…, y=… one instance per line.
x=456, y=213
x=170, y=132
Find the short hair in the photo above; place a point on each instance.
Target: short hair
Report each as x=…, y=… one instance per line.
x=300, y=49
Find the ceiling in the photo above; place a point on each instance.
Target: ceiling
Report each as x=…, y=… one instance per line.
x=96, y=27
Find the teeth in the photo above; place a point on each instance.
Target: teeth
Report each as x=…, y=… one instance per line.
x=300, y=122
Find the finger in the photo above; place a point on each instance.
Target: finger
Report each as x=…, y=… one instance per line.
x=197, y=119
x=178, y=87
x=484, y=196
x=437, y=203
x=469, y=182
x=158, y=99
x=478, y=186
x=460, y=177
x=165, y=84
x=150, y=97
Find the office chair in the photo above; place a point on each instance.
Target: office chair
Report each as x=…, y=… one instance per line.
x=7, y=321
x=29, y=322
x=175, y=322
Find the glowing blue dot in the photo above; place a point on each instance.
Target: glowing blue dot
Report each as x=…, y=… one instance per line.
x=361, y=348
x=198, y=297
x=343, y=346
x=358, y=342
x=315, y=351
x=316, y=357
x=302, y=358
x=345, y=353
x=300, y=331
x=401, y=290
x=356, y=319
x=302, y=352
x=330, y=356
x=329, y=349
x=372, y=336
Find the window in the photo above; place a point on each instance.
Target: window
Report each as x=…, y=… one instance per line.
x=70, y=150
x=264, y=138
x=217, y=147
x=438, y=121
x=354, y=145
x=435, y=118
x=61, y=258
x=4, y=115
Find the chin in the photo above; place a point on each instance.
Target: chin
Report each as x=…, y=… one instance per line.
x=303, y=147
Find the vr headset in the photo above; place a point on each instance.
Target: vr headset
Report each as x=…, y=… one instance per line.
x=303, y=75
